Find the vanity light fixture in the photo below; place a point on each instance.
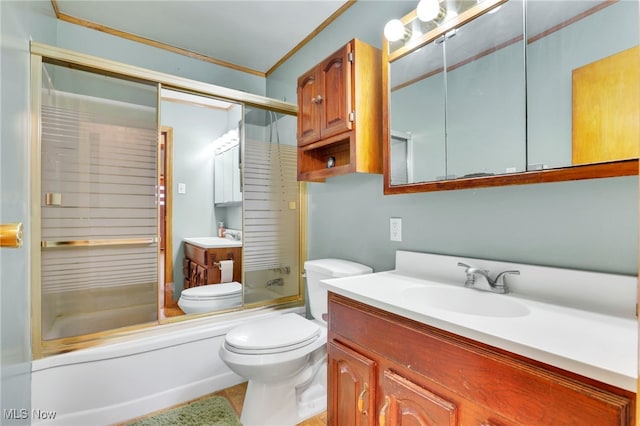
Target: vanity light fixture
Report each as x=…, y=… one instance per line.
x=395, y=30
x=429, y=10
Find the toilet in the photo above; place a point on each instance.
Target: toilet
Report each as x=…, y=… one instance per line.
x=210, y=297
x=284, y=357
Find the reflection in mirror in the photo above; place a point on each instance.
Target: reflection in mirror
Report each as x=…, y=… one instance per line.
x=581, y=107
x=567, y=97
x=485, y=94
x=402, y=155
x=417, y=110
x=199, y=127
x=462, y=99
x=232, y=204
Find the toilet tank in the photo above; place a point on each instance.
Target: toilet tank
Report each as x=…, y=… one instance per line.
x=322, y=269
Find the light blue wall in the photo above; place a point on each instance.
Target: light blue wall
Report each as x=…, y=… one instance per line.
x=97, y=43
x=590, y=225
x=19, y=20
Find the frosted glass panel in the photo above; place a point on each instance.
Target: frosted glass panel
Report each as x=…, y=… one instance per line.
x=270, y=208
x=98, y=203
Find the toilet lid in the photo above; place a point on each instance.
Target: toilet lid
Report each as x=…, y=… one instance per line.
x=273, y=335
x=212, y=291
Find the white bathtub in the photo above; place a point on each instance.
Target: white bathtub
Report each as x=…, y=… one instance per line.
x=158, y=368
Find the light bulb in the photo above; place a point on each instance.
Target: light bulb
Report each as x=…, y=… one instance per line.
x=394, y=30
x=428, y=10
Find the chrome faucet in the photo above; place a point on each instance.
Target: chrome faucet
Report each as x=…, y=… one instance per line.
x=497, y=285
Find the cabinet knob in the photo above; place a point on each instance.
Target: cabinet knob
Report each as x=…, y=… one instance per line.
x=317, y=99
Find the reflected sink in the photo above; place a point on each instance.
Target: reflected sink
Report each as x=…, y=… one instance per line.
x=213, y=242
x=465, y=301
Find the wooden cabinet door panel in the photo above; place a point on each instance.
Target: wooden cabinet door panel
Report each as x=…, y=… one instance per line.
x=336, y=102
x=351, y=387
x=409, y=404
x=200, y=265
x=309, y=88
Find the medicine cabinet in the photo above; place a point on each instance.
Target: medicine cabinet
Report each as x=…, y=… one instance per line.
x=512, y=92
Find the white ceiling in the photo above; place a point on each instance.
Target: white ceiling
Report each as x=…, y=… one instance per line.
x=251, y=34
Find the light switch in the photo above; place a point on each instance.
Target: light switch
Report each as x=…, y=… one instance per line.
x=182, y=188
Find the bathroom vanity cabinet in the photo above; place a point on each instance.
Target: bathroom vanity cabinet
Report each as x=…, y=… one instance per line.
x=388, y=370
x=340, y=114
x=200, y=264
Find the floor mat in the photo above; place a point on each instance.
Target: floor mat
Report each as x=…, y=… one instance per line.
x=211, y=411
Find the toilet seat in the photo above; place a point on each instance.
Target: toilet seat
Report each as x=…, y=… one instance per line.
x=282, y=333
x=212, y=292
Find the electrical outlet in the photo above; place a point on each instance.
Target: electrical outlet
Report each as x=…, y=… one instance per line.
x=395, y=228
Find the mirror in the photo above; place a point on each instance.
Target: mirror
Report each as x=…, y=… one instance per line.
x=470, y=103
x=202, y=131
x=231, y=166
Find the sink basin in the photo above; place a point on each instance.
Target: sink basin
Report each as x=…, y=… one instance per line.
x=213, y=242
x=465, y=301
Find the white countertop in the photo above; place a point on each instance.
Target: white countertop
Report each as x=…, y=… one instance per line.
x=595, y=345
x=213, y=242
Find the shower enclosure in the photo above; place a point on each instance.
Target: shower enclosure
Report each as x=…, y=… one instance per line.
x=98, y=177
x=98, y=204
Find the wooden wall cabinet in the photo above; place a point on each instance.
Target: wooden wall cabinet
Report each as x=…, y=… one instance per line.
x=340, y=114
x=227, y=187
x=200, y=267
x=387, y=370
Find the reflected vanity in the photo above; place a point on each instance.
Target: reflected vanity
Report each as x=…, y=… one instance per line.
x=510, y=92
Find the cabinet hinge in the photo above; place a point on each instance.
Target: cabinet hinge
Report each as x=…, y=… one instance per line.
x=352, y=116
x=350, y=57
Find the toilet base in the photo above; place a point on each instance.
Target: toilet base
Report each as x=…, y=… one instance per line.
x=286, y=403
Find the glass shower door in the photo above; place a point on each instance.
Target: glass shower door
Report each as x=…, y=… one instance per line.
x=99, y=211
x=271, y=207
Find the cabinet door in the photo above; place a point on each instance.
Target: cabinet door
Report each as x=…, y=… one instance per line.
x=350, y=387
x=236, y=185
x=406, y=403
x=336, y=102
x=309, y=93
x=227, y=187
x=218, y=179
